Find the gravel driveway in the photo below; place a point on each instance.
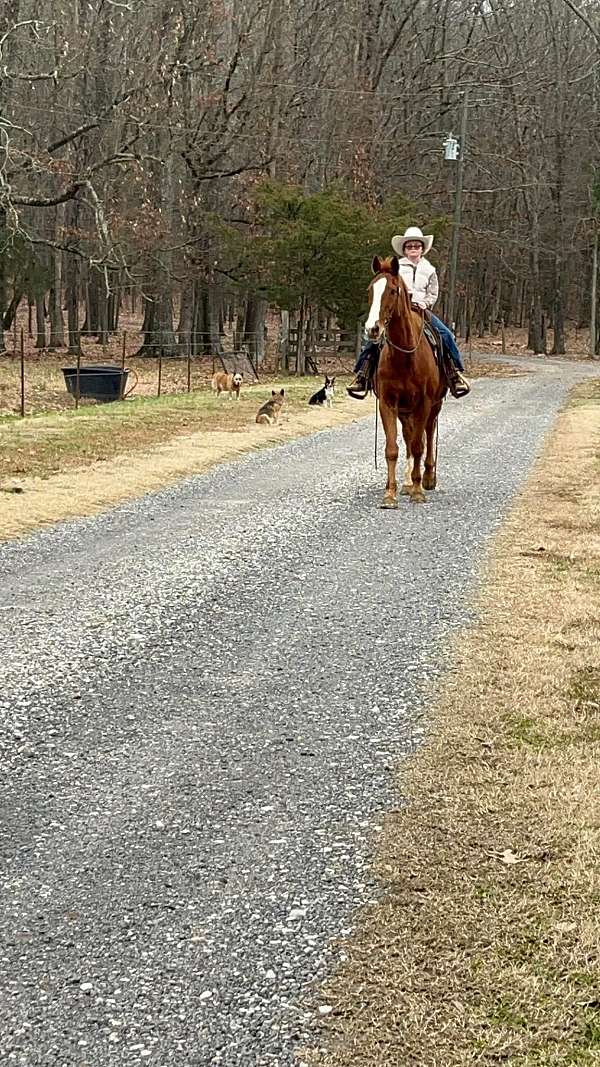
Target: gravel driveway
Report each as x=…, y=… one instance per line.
x=203, y=695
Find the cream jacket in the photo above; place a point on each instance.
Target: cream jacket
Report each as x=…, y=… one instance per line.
x=421, y=280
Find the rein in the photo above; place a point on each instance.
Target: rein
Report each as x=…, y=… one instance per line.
x=397, y=348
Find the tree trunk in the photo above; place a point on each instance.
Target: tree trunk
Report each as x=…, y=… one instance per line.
x=214, y=318
x=57, y=326
x=72, y=282
x=301, y=357
x=91, y=325
x=102, y=295
x=254, y=327
x=11, y=311
x=537, y=338
x=114, y=302
x=201, y=332
x=2, y=278
x=285, y=341
x=522, y=304
x=159, y=335
x=73, y=310
x=238, y=329
x=148, y=306
x=495, y=312
x=558, y=346
x=40, y=322
x=186, y=318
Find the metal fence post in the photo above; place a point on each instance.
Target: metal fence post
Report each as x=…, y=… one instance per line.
x=123, y=353
x=22, y=375
x=77, y=379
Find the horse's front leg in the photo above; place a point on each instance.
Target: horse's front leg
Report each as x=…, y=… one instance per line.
x=416, y=439
x=389, y=419
x=430, y=475
x=407, y=483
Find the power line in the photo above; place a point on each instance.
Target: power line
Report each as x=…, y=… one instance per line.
x=178, y=128
x=117, y=114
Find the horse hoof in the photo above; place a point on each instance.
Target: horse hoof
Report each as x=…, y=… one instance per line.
x=430, y=486
x=406, y=490
x=418, y=498
x=389, y=503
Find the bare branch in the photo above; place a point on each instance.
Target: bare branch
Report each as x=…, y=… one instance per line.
x=94, y=124
x=583, y=17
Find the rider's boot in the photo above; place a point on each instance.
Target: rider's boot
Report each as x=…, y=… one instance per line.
x=457, y=383
x=359, y=388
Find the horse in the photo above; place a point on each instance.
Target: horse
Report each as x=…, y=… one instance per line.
x=409, y=384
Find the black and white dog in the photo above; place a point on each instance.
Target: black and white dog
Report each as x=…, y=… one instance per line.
x=326, y=394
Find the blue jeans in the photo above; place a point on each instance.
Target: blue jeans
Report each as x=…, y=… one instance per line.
x=448, y=341
x=369, y=348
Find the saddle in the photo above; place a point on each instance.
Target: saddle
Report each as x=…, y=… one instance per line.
x=436, y=343
x=443, y=361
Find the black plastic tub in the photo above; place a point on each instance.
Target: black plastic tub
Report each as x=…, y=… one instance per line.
x=98, y=381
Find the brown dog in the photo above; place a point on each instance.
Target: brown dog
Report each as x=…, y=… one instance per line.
x=227, y=383
x=269, y=412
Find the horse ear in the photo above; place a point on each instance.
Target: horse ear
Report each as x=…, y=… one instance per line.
x=395, y=266
x=376, y=265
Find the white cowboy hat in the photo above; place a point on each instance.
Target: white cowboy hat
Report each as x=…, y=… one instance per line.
x=413, y=233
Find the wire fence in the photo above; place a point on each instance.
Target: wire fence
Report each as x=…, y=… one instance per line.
x=33, y=381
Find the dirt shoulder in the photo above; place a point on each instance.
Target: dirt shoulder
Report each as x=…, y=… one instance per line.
x=485, y=947
x=79, y=463
x=68, y=463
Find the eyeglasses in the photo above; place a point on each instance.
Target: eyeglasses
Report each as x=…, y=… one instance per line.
x=413, y=244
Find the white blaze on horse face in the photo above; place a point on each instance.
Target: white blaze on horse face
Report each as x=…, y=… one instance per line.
x=378, y=289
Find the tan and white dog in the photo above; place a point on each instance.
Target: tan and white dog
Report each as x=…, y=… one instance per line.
x=222, y=382
x=269, y=412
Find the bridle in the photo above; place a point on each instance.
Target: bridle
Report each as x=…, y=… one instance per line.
x=405, y=351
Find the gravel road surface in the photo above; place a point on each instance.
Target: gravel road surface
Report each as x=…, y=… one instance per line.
x=203, y=696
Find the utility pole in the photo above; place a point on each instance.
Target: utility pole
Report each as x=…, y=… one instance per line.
x=457, y=210
x=595, y=197
x=593, y=326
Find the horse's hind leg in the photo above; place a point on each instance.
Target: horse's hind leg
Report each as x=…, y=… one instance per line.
x=430, y=474
x=389, y=419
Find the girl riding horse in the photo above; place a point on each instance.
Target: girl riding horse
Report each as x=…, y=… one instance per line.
x=421, y=280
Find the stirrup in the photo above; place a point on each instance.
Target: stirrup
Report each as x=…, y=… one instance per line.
x=359, y=389
x=458, y=384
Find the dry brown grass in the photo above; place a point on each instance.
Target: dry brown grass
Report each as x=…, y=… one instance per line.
x=74, y=464
x=45, y=390
x=485, y=946
x=71, y=463
x=46, y=444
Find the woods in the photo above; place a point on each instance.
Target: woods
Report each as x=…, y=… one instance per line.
x=201, y=161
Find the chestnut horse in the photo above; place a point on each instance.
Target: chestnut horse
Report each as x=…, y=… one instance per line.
x=409, y=384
